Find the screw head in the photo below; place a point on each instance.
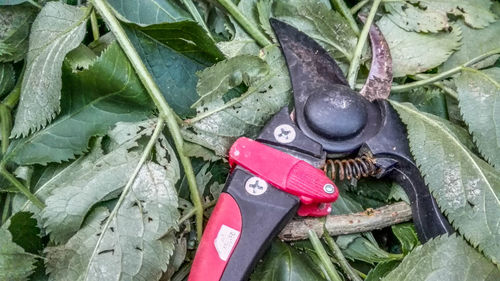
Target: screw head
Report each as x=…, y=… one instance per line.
x=256, y=186
x=329, y=188
x=284, y=133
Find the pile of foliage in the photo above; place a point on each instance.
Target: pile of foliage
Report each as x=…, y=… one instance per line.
x=93, y=186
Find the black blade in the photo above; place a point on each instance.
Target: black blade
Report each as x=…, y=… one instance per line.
x=308, y=63
x=378, y=83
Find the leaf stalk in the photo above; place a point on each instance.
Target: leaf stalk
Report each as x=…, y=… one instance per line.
x=323, y=256
x=154, y=91
x=145, y=155
x=337, y=253
x=352, y=74
x=245, y=23
x=23, y=189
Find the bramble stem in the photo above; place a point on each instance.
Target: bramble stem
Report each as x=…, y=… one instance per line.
x=340, y=6
x=163, y=107
x=359, y=6
x=245, y=23
x=352, y=74
x=443, y=75
x=95, y=26
x=323, y=256
x=337, y=253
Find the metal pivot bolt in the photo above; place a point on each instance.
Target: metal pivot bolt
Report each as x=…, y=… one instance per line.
x=284, y=133
x=256, y=186
x=328, y=188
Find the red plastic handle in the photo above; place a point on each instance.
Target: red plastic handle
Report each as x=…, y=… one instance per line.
x=283, y=171
x=221, y=236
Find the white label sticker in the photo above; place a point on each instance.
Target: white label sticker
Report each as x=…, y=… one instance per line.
x=225, y=240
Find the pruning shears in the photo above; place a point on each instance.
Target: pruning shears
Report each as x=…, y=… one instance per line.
x=282, y=172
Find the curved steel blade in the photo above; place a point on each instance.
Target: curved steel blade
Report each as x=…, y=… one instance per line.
x=310, y=66
x=379, y=81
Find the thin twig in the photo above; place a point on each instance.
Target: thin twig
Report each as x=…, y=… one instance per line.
x=6, y=207
x=365, y=221
x=443, y=75
x=23, y=189
x=196, y=15
x=447, y=90
x=344, y=10
x=158, y=98
x=337, y=253
x=253, y=30
x=323, y=256
x=352, y=74
x=145, y=155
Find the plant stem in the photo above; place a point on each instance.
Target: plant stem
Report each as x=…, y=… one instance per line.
x=447, y=90
x=192, y=211
x=359, y=6
x=196, y=15
x=95, y=25
x=245, y=23
x=344, y=10
x=352, y=74
x=323, y=256
x=163, y=107
x=23, y=189
x=5, y=126
x=443, y=75
x=337, y=253
x=145, y=155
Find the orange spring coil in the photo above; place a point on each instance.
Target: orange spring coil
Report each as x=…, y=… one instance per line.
x=358, y=167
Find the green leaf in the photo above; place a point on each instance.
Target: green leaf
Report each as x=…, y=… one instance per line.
x=432, y=15
x=475, y=43
x=25, y=232
x=465, y=187
x=93, y=100
x=356, y=247
x=413, y=18
x=430, y=100
x=146, y=12
x=264, y=11
x=217, y=80
x=173, y=72
x=58, y=29
x=97, y=177
x=410, y=50
x=15, y=263
x=7, y=78
x=15, y=23
x=407, y=236
x=444, y=259
x=132, y=250
x=479, y=101
x=186, y=38
x=326, y=26
x=381, y=270
x=244, y=115
x=284, y=263
x=475, y=13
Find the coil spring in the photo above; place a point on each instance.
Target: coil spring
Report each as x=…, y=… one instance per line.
x=363, y=166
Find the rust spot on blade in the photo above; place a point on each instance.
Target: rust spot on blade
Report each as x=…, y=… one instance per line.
x=378, y=83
